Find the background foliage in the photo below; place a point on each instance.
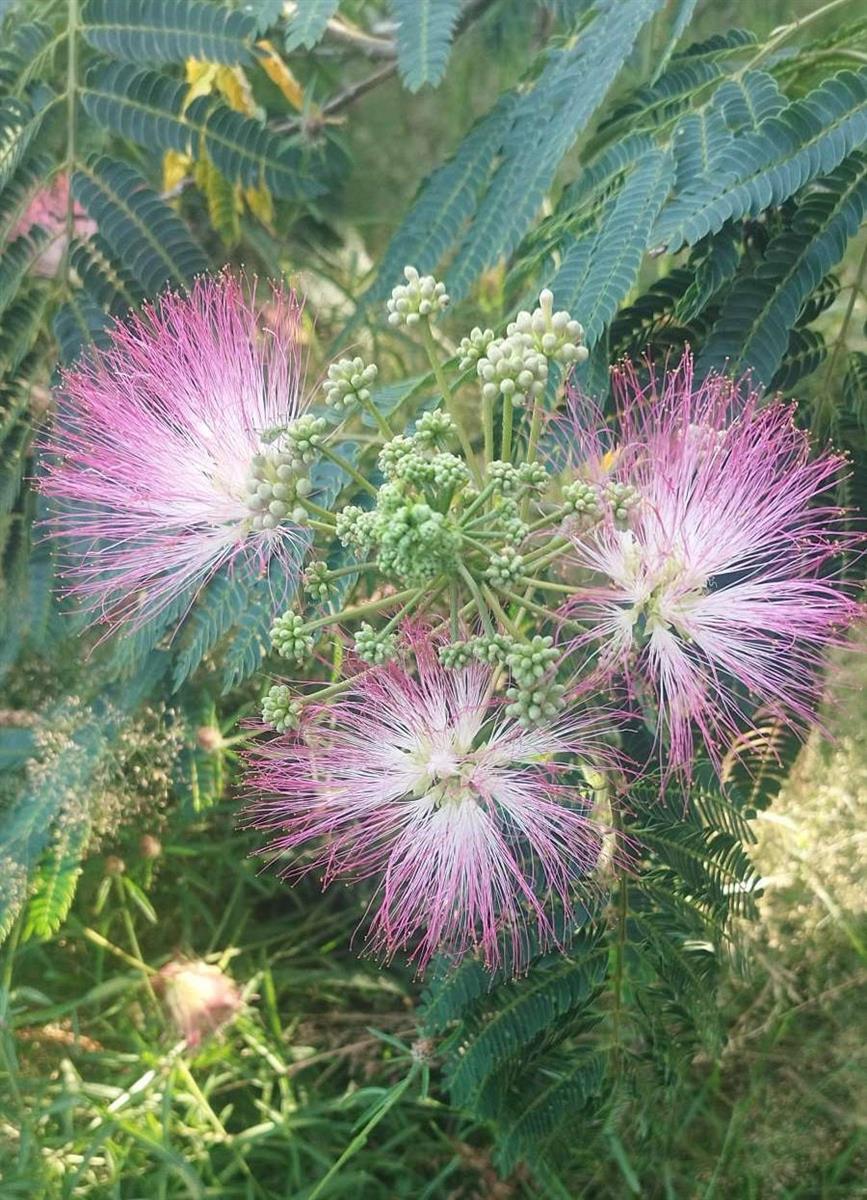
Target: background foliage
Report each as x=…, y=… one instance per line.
x=672, y=177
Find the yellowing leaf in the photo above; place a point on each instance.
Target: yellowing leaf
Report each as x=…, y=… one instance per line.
x=260, y=203
x=176, y=168
x=277, y=71
x=235, y=88
x=202, y=78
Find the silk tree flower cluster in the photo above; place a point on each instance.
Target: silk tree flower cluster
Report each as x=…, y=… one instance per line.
x=493, y=579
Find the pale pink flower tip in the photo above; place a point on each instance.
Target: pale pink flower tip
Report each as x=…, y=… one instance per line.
x=719, y=593
x=199, y=997
x=155, y=448
x=477, y=830
x=48, y=211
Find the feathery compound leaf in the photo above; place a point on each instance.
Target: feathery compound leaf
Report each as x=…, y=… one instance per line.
x=749, y=100
x=145, y=235
x=309, y=22
x=217, y=609
x=761, y=308
x=16, y=196
x=149, y=108
x=515, y=1013
x=168, y=30
x=27, y=54
x=17, y=260
x=615, y=258
x=444, y=204
x=547, y=121
x=424, y=37
x=19, y=124
x=765, y=166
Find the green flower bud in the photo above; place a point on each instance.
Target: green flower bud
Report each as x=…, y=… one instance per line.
x=493, y=649
x=457, y=655
x=279, y=710
x=533, y=475
x=348, y=383
x=375, y=647
x=505, y=477
x=421, y=296
x=316, y=582
x=583, y=500
x=290, y=638
x=555, y=335
x=354, y=528
x=393, y=452
x=434, y=428
x=305, y=436
x=512, y=367
x=539, y=701
x=529, y=661
x=623, y=498
x=472, y=348
x=504, y=569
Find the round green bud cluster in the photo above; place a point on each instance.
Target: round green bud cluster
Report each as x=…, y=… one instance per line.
x=348, y=383
x=583, y=500
x=434, y=427
x=317, y=583
x=493, y=648
x=553, y=334
x=421, y=296
x=375, y=647
x=623, y=498
x=416, y=543
x=354, y=528
x=273, y=488
x=457, y=655
x=512, y=367
x=529, y=661
x=290, y=637
x=504, y=476
x=535, y=702
x=512, y=527
x=393, y=452
x=305, y=437
x=279, y=710
x=504, y=569
x=533, y=475
x=474, y=347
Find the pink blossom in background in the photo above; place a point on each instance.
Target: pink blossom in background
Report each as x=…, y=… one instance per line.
x=199, y=997
x=48, y=210
x=157, y=443
x=474, y=827
x=722, y=575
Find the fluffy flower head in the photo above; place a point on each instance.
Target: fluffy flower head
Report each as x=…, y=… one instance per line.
x=718, y=593
x=163, y=457
x=476, y=828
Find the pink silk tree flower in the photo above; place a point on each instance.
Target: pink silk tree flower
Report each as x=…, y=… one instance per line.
x=476, y=828
x=48, y=210
x=162, y=458
x=716, y=591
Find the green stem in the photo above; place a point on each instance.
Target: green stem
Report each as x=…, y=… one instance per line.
x=787, y=31
x=313, y=507
x=341, y=571
x=384, y=427
x=479, y=599
x=479, y=500
x=532, y=449
x=340, y=461
x=547, y=553
x=546, y=613
x=454, y=618
x=507, y=621
x=409, y=606
x=360, y=610
x=548, y=586
x=508, y=421
x=488, y=426
x=550, y=519
x=442, y=383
